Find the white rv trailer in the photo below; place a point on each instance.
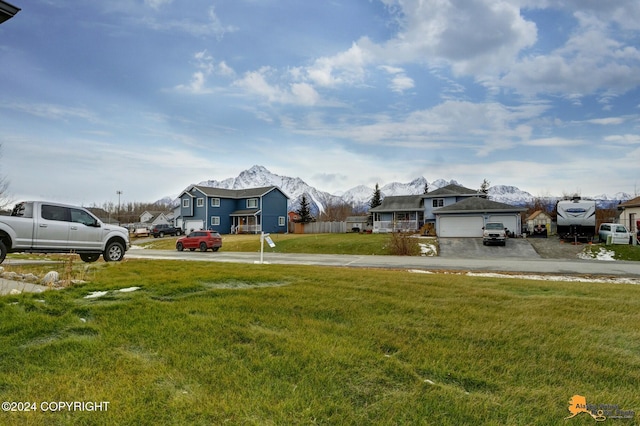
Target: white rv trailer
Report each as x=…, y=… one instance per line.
x=576, y=219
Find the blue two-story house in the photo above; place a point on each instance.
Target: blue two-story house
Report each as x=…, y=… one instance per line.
x=251, y=210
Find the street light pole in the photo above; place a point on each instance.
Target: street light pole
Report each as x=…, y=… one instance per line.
x=119, y=194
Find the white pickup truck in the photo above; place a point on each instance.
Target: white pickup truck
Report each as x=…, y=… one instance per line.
x=43, y=227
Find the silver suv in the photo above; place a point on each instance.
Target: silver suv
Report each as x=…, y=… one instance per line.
x=494, y=233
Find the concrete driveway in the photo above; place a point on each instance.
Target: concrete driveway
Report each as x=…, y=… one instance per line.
x=472, y=248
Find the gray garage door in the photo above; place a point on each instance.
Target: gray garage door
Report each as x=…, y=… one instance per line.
x=509, y=221
x=460, y=226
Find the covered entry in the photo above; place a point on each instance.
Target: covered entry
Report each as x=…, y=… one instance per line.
x=246, y=222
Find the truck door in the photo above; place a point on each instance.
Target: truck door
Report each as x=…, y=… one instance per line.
x=85, y=231
x=619, y=235
x=52, y=229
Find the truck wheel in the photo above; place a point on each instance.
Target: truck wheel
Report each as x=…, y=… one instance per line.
x=203, y=246
x=89, y=257
x=162, y=235
x=179, y=247
x=178, y=232
x=114, y=252
x=3, y=251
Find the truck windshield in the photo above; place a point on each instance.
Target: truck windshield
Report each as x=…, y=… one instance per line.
x=494, y=226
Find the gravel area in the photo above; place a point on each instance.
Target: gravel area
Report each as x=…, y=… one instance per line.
x=554, y=248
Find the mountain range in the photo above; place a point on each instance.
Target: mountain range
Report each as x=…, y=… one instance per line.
x=359, y=196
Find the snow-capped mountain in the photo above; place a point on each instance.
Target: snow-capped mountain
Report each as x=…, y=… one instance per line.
x=294, y=188
x=360, y=196
x=509, y=195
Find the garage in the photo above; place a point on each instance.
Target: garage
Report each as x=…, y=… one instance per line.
x=510, y=221
x=193, y=225
x=467, y=217
x=460, y=226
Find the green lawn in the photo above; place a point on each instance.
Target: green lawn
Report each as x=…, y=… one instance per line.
x=205, y=344
x=349, y=243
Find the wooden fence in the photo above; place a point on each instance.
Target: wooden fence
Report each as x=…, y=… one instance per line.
x=318, y=228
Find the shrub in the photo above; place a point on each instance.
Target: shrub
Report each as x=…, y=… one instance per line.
x=404, y=244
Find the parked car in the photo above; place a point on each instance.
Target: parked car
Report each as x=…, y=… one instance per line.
x=618, y=233
x=202, y=240
x=164, y=229
x=494, y=232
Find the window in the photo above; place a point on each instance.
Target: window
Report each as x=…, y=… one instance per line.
x=215, y=202
x=281, y=221
x=185, y=203
x=252, y=203
x=80, y=216
x=438, y=202
x=215, y=220
x=23, y=210
x=55, y=213
x=200, y=202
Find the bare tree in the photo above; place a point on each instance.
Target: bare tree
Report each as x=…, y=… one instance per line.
x=5, y=198
x=336, y=212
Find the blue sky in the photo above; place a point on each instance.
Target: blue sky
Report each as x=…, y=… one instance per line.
x=149, y=96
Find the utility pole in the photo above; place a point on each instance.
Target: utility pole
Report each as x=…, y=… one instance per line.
x=119, y=194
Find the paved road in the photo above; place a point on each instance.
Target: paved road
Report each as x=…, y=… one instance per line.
x=533, y=265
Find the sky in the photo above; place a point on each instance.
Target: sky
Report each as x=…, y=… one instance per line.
x=146, y=97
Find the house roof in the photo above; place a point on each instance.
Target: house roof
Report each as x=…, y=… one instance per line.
x=7, y=11
x=396, y=203
x=245, y=212
x=451, y=190
x=478, y=205
x=634, y=202
x=536, y=214
x=234, y=193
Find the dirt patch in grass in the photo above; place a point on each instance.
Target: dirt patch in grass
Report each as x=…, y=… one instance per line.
x=239, y=285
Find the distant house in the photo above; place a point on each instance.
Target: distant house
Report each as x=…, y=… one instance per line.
x=538, y=224
x=156, y=218
x=251, y=210
x=398, y=213
x=453, y=211
x=630, y=214
x=356, y=223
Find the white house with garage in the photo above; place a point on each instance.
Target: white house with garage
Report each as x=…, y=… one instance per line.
x=466, y=218
x=454, y=211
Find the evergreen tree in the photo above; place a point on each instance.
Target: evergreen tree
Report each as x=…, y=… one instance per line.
x=426, y=188
x=304, y=212
x=376, y=200
x=484, y=188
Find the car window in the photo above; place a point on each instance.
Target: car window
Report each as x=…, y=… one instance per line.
x=621, y=229
x=23, y=210
x=55, y=213
x=605, y=227
x=80, y=216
